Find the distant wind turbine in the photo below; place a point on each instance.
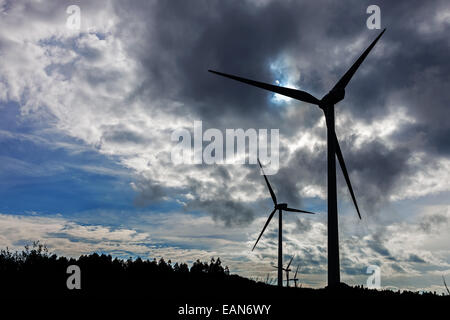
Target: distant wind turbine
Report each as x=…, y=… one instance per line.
x=287, y=270
x=327, y=103
x=445, y=284
x=280, y=207
x=295, y=279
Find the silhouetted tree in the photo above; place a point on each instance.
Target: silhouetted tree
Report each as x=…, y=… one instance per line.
x=215, y=267
x=199, y=267
x=227, y=271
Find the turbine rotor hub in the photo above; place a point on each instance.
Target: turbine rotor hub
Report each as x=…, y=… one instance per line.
x=332, y=97
x=281, y=206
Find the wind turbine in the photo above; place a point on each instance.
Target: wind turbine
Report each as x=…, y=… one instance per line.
x=295, y=279
x=445, y=284
x=280, y=207
x=336, y=94
x=287, y=270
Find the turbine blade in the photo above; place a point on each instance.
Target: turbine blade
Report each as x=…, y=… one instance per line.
x=272, y=194
x=297, y=210
x=344, y=171
x=342, y=83
x=296, y=271
x=290, y=263
x=265, y=226
x=343, y=167
x=288, y=92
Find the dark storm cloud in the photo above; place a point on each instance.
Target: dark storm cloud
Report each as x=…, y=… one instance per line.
x=413, y=73
x=302, y=225
x=377, y=242
x=177, y=41
x=378, y=248
x=223, y=173
x=184, y=40
x=376, y=170
x=397, y=268
x=305, y=168
x=149, y=193
x=229, y=212
x=311, y=260
x=433, y=222
x=220, y=205
x=427, y=100
x=415, y=258
x=349, y=267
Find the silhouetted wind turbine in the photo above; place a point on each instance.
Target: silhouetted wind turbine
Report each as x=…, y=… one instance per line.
x=295, y=279
x=445, y=284
x=327, y=103
x=287, y=270
x=280, y=207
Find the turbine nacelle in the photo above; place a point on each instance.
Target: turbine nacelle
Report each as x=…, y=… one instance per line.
x=281, y=206
x=332, y=97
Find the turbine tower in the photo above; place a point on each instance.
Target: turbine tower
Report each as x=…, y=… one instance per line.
x=280, y=207
x=327, y=104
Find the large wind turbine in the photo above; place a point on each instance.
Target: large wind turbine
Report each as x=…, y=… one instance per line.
x=327, y=103
x=280, y=207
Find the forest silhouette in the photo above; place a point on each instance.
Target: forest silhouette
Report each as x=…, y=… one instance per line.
x=35, y=272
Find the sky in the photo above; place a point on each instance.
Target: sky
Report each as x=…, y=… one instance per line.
x=87, y=116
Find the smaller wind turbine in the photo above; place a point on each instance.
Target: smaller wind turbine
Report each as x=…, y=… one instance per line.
x=280, y=207
x=295, y=279
x=445, y=284
x=287, y=270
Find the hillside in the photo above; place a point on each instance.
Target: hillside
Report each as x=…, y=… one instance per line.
x=173, y=287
